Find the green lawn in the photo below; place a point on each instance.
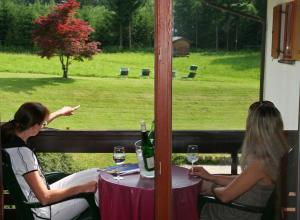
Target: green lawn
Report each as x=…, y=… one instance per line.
x=218, y=98
x=212, y=66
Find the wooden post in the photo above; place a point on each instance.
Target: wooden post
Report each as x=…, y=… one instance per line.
x=234, y=163
x=1, y=179
x=163, y=109
x=298, y=163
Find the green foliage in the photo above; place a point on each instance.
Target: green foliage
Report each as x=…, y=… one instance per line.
x=117, y=23
x=101, y=19
x=207, y=159
x=143, y=26
x=124, y=11
x=208, y=27
x=56, y=162
x=16, y=22
x=6, y=19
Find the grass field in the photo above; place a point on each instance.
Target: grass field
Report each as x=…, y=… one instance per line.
x=218, y=98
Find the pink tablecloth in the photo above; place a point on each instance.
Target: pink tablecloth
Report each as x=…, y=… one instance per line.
x=133, y=197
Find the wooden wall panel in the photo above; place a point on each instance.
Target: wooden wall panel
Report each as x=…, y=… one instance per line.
x=296, y=34
x=276, y=31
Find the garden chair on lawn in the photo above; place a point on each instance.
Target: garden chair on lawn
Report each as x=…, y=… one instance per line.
x=173, y=74
x=145, y=73
x=124, y=72
x=192, y=73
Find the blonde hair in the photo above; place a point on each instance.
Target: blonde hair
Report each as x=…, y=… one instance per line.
x=264, y=138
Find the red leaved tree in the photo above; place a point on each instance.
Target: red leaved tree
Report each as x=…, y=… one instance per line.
x=61, y=34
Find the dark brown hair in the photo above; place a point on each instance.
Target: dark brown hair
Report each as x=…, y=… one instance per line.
x=27, y=115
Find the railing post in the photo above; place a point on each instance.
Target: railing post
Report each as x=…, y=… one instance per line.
x=234, y=163
x=1, y=179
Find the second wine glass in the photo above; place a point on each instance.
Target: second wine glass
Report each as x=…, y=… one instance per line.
x=119, y=158
x=192, y=154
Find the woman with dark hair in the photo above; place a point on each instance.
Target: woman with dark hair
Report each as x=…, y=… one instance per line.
x=263, y=147
x=29, y=119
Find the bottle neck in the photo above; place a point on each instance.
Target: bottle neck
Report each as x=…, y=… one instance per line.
x=144, y=135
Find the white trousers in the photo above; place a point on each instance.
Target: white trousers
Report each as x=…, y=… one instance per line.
x=72, y=208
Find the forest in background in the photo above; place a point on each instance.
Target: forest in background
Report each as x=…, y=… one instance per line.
x=130, y=24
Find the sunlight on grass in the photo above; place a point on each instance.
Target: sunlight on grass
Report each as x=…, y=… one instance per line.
x=214, y=66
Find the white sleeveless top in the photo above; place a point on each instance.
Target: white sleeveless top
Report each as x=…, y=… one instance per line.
x=24, y=161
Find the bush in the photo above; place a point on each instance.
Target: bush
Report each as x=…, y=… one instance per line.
x=56, y=162
x=207, y=159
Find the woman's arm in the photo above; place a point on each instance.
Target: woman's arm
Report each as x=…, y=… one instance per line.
x=222, y=180
x=46, y=196
x=242, y=183
x=65, y=111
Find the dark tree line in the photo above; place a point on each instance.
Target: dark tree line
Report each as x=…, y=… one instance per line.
x=130, y=23
x=209, y=28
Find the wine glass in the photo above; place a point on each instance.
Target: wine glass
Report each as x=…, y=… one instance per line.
x=119, y=158
x=192, y=154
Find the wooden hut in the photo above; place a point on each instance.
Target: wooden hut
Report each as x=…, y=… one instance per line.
x=181, y=46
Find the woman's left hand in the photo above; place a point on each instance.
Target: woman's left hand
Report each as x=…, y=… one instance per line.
x=201, y=172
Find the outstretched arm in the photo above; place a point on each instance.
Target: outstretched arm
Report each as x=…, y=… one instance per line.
x=65, y=111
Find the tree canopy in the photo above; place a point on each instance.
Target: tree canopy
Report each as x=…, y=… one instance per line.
x=61, y=34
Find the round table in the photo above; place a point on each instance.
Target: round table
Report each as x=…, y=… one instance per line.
x=132, y=198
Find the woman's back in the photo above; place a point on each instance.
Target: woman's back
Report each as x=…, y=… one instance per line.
x=258, y=195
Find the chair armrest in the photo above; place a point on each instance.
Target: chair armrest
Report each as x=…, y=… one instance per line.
x=210, y=199
x=55, y=176
x=87, y=196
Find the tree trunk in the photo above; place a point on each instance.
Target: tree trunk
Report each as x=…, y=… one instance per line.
x=196, y=35
x=236, y=37
x=121, y=36
x=227, y=40
x=217, y=37
x=130, y=34
x=64, y=66
x=67, y=68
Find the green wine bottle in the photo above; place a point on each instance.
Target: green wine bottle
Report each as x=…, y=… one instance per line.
x=147, y=148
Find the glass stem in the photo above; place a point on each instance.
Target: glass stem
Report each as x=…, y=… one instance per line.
x=192, y=167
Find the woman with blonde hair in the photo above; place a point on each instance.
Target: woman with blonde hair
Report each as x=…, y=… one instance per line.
x=263, y=147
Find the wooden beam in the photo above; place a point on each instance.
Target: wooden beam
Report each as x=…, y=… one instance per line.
x=263, y=55
x=163, y=109
x=209, y=141
x=231, y=11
